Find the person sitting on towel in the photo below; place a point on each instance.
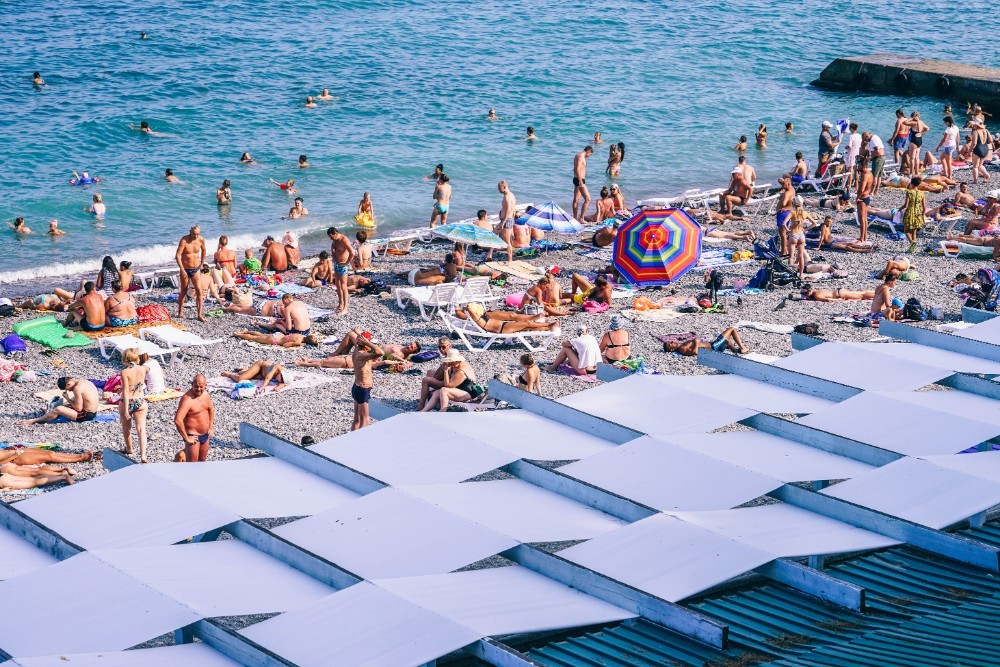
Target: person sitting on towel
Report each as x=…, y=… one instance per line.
x=582, y=353
x=81, y=401
x=727, y=340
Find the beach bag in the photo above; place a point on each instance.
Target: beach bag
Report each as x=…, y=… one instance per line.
x=761, y=279
x=13, y=343
x=152, y=312
x=8, y=369
x=810, y=329
x=476, y=391
x=912, y=310
x=514, y=300
x=424, y=356
x=595, y=307
x=114, y=384
x=6, y=308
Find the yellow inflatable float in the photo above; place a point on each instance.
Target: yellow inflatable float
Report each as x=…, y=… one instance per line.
x=365, y=220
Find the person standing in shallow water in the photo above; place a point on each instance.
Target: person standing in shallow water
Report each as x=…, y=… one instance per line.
x=580, y=193
x=442, y=195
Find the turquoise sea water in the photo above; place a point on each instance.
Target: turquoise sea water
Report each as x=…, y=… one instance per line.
x=678, y=82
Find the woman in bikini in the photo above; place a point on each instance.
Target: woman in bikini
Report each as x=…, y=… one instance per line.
x=761, y=136
x=133, y=406
x=501, y=322
x=829, y=295
x=797, y=234
x=618, y=197
x=261, y=369
x=616, y=153
x=120, y=307
x=615, y=344
x=277, y=338
x=265, y=308
x=530, y=378
x=225, y=259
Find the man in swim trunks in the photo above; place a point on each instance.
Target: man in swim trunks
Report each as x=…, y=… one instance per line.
x=322, y=271
x=507, y=215
x=195, y=420
x=866, y=183
x=442, y=196
x=738, y=192
x=343, y=254
x=800, y=171
x=547, y=295
x=88, y=311
x=295, y=318
x=365, y=352
x=900, y=135
x=827, y=147
x=190, y=255
x=83, y=399
x=580, y=191
x=275, y=258
x=784, y=212
x=582, y=290
x=605, y=235
x=120, y=307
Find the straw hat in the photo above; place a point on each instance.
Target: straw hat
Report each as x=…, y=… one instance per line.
x=453, y=356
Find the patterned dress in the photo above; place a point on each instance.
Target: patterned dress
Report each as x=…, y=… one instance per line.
x=913, y=216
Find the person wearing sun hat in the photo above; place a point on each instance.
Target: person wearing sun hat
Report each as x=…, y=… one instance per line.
x=615, y=344
x=986, y=223
x=457, y=387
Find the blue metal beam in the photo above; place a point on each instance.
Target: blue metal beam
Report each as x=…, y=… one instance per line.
x=954, y=547
x=308, y=460
x=778, y=377
x=679, y=619
x=234, y=645
x=815, y=583
x=972, y=384
x=31, y=531
x=804, y=342
x=828, y=442
x=563, y=414
x=976, y=315
x=581, y=492
x=292, y=555
x=609, y=373
x=114, y=460
x=499, y=654
x=939, y=340
x=379, y=410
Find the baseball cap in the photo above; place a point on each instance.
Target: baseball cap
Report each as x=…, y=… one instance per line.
x=827, y=123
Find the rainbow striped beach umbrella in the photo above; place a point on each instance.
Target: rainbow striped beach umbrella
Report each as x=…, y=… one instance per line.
x=549, y=217
x=656, y=247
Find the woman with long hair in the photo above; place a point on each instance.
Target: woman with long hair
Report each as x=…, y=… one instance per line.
x=133, y=406
x=616, y=154
x=109, y=274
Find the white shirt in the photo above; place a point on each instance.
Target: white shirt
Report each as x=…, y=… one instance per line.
x=951, y=137
x=155, y=382
x=875, y=144
x=588, y=350
x=854, y=145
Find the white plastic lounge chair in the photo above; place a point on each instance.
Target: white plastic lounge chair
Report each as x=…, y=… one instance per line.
x=822, y=184
x=171, y=275
x=662, y=202
x=703, y=199
x=467, y=331
x=428, y=298
x=400, y=243
x=476, y=290
x=108, y=345
x=183, y=341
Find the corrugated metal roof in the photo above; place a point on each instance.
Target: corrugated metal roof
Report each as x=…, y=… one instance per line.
x=922, y=610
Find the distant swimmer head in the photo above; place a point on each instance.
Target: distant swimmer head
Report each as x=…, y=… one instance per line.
x=97, y=199
x=53, y=224
x=36, y=75
x=169, y=172
x=18, y=222
x=142, y=35
x=302, y=159
x=597, y=137
x=789, y=127
x=246, y=158
x=743, y=138
x=143, y=125
x=439, y=168
x=531, y=130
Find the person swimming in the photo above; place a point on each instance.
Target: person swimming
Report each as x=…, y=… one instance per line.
x=303, y=162
x=97, y=209
x=54, y=228
x=36, y=78
x=84, y=179
x=325, y=96
x=492, y=115
x=531, y=134
x=144, y=127
x=246, y=158
x=19, y=227
x=309, y=102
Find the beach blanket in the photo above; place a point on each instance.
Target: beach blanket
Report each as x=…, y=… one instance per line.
x=286, y=288
x=329, y=340
x=294, y=379
x=766, y=327
x=122, y=331
x=566, y=369
x=719, y=257
x=602, y=254
x=49, y=332
x=658, y=315
x=517, y=268
x=676, y=337
x=49, y=394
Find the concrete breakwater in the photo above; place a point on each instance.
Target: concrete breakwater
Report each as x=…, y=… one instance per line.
x=907, y=75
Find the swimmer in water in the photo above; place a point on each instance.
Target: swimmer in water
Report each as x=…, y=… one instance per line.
x=97, y=209
x=54, y=229
x=169, y=177
x=303, y=162
x=325, y=96
x=789, y=128
x=143, y=35
x=37, y=79
x=531, y=134
x=19, y=227
x=438, y=170
x=85, y=179
x=286, y=186
x=144, y=127
x=491, y=115
x=741, y=145
x=224, y=195
x=246, y=158
x=309, y=102
x=298, y=210
x=597, y=138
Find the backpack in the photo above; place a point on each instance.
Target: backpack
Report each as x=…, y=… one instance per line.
x=761, y=279
x=912, y=310
x=6, y=308
x=13, y=343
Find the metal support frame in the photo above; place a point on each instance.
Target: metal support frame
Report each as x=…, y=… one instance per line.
x=563, y=414
x=953, y=547
x=499, y=654
x=44, y=538
x=308, y=460
x=657, y=610
x=976, y=315
x=813, y=582
x=939, y=340
x=609, y=373
x=972, y=384
x=379, y=410
x=778, y=377
x=804, y=341
x=114, y=460
x=234, y=645
x=828, y=442
x=580, y=491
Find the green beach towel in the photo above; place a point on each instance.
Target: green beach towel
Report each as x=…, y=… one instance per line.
x=48, y=332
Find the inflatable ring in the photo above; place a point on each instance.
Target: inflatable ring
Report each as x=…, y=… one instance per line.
x=365, y=220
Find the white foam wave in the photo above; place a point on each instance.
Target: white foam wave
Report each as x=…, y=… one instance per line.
x=146, y=257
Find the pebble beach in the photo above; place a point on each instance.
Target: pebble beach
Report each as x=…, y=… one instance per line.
x=325, y=411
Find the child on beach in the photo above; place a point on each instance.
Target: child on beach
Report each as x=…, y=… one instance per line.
x=251, y=264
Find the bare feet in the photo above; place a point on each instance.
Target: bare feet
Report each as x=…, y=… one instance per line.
x=68, y=479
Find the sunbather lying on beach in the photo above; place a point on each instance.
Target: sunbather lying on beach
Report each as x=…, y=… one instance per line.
x=499, y=321
x=715, y=216
x=838, y=201
x=851, y=245
x=346, y=361
x=929, y=184
x=808, y=293
x=13, y=481
x=350, y=341
x=735, y=235
x=35, y=470
x=727, y=340
x=898, y=263
x=262, y=308
x=261, y=369
x=56, y=300
x=33, y=456
x=277, y=338
x=432, y=276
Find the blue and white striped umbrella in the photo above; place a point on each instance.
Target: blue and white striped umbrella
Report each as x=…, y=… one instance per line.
x=473, y=235
x=550, y=218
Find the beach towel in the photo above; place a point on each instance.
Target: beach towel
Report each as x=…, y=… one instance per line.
x=49, y=332
x=99, y=419
x=718, y=257
x=766, y=327
x=566, y=369
x=517, y=268
x=659, y=315
x=600, y=254
x=676, y=337
x=47, y=395
x=294, y=379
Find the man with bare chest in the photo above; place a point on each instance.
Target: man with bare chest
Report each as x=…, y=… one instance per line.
x=342, y=253
x=195, y=420
x=190, y=256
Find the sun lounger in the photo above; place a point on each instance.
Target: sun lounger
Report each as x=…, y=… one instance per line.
x=662, y=202
x=184, y=341
x=173, y=276
x=467, y=331
x=476, y=290
x=964, y=250
x=111, y=344
x=428, y=298
x=399, y=244
x=822, y=184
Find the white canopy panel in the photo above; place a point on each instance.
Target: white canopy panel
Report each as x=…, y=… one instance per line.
x=985, y=465
x=232, y=578
x=919, y=491
x=667, y=557
x=962, y=403
x=985, y=332
x=82, y=605
x=859, y=367
x=900, y=426
x=393, y=534
x=409, y=449
x=130, y=507
x=668, y=477
x=932, y=356
x=18, y=556
x=257, y=488
x=648, y=405
x=752, y=394
x=787, y=530
x=188, y=655
x=521, y=510
x=770, y=455
x=504, y=600
x=523, y=434
x=362, y=626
